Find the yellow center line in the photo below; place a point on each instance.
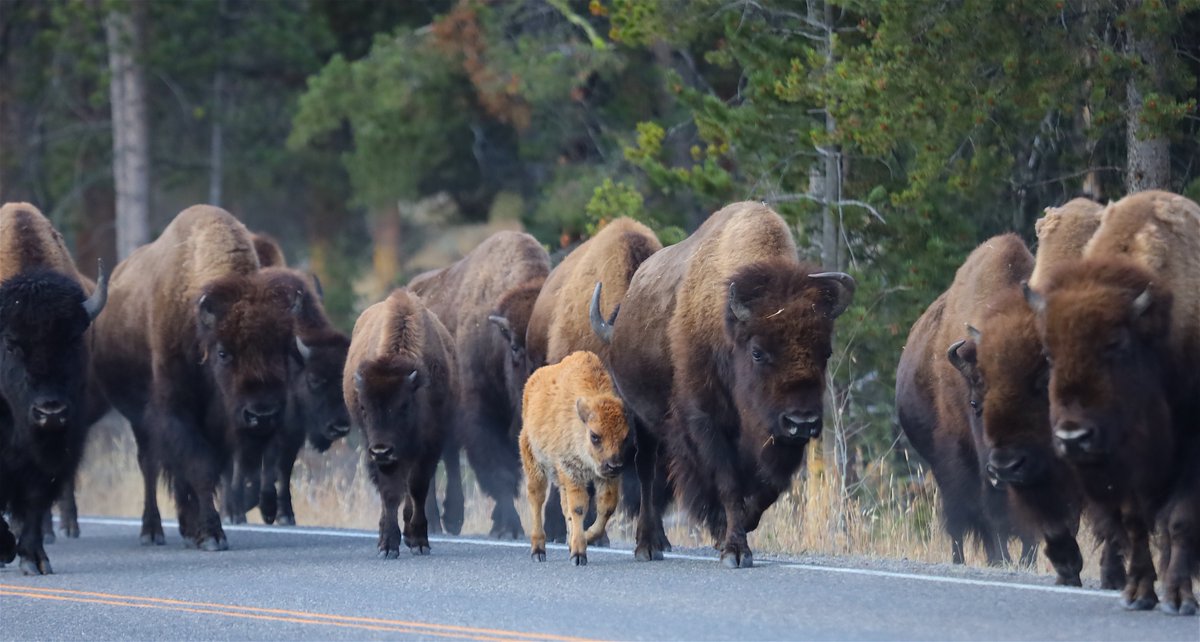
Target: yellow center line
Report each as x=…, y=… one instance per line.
x=282, y=615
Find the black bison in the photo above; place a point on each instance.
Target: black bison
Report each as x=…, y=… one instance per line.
x=939, y=411
x=543, y=323
x=462, y=296
x=399, y=383
x=720, y=350
x=44, y=315
x=196, y=352
x=1121, y=328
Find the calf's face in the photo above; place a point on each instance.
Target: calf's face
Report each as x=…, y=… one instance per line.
x=606, y=429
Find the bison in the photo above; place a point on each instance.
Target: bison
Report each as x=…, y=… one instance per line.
x=544, y=323
x=720, y=350
x=462, y=296
x=399, y=384
x=44, y=315
x=1121, y=328
x=574, y=431
x=196, y=352
x=939, y=408
x=268, y=251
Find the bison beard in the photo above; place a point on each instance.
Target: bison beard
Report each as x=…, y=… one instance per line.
x=44, y=315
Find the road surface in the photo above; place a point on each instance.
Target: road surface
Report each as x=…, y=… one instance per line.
x=297, y=584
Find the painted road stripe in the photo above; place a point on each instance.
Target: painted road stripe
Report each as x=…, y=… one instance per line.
x=937, y=579
x=280, y=615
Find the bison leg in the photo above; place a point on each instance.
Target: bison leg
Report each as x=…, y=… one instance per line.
x=389, y=526
x=1177, y=586
x=649, y=524
x=68, y=511
x=574, y=505
x=285, y=515
x=152, y=530
x=556, y=521
x=536, y=486
x=48, y=536
x=1112, y=555
x=30, y=544
x=453, y=504
x=1139, y=587
x=608, y=495
x=8, y=542
x=416, y=526
x=494, y=457
x=1063, y=552
x=268, y=497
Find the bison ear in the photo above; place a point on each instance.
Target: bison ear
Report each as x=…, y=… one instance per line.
x=501, y=323
x=962, y=355
x=737, y=307
x=1036, y=301
x=844, y=286
x=581, y=407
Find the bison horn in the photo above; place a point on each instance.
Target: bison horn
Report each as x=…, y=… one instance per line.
x=740, y=310
x=954, y=357
x=305, y=351
x=317, y=286
x=501, y=323
x=208, y=318
x=297, y=303
x=1036, y=301
x=414, y=379
x=846, y=287
x=1142, y=302
x=602, y=328
x=95, y=303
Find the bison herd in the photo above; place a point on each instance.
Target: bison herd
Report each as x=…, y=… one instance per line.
x=1041, y=389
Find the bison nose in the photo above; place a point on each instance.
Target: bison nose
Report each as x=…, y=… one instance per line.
x=801, y=424
x=382, y=454
x=1073, y=438
x=47, y=413
x=612, y=468
x=260, y=413
x=1006, y=466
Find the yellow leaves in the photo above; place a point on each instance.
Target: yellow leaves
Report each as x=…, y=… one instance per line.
x=597, y=8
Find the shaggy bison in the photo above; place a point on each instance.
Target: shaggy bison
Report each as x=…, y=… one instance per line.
x=1121, y=328
x=196, y=352
x=544, y=323
x=574, y=432
x=720, y=351
x=44, y=315
x=399, y=383
x=939, y=408
x=462, y=296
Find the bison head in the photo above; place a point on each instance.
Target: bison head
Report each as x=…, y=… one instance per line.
x=779, y=319
x=43, y=317
x=606, y=427
x=1105, y=324
x=247, y=342
x=388, y=396
x=318, y=388
x=1007, y=375
x=511, y=321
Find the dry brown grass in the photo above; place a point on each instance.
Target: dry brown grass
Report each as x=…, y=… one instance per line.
x=884, y=516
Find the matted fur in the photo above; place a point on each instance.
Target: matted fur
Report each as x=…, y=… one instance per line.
x=1062, y=233
x=682, y=362
x=934, y=400
x=574, y=432
x=462, y=296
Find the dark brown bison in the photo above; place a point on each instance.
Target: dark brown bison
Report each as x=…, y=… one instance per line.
x=1121, y=328
x=399, y=384
x=939, y=411
x=545, y=323
x=44, y=315
x=720, y=350
x=196, y=352
x=462, y=296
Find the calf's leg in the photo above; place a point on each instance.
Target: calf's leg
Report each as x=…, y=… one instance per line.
x=574, y=506
x=608, y=495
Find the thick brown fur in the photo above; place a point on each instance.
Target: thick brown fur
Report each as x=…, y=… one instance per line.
x=45, y=377
x=719, y=339
x=1121, y=329
x=196, y=351
x=270, y=254
x=940, y=412
x=463, y=296
x=1062, y=233
x=399, y=384
x=574, y=432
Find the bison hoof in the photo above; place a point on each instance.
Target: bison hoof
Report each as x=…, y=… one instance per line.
x=538, y=555
x=1068, y=580
x=71, y=530
x=214, y=544
x=1144, y=603
x=1113, y=580
x=153, y=539
x=452, y=527
x=41, y=567
x=733, y=558
x=389, y=553
x=48, y=536
x=1185, y=607
x=579, y=559
x=286, y=520
x=419, y=549
x=645, y=553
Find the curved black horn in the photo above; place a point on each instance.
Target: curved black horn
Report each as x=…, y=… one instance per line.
x=602, y=328
x=317, y=286
x=846, y=287
x=95, y=303
x=955, y=358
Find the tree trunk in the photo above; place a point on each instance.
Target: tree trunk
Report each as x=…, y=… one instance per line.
x=216, y=151
x=1148, y=161
x=131, y=144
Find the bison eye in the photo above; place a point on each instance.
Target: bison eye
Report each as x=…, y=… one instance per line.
x=223, y=355
x=758, y=355
x=515, y=348
x=975, y=407
x=595, y=439
x=315, y=382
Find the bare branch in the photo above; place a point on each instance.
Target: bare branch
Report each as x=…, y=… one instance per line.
x=799, y=196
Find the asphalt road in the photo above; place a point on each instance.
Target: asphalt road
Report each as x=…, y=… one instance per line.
x=299, y=584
